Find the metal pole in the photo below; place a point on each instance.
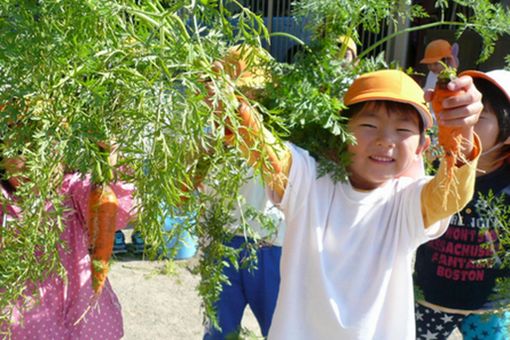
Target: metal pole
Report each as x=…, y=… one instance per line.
x=400, y=45
x=270, y=16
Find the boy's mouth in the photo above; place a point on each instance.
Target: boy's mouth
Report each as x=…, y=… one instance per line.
x=382, y=159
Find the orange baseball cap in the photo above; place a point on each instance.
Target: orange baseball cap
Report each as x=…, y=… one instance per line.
x=436, y=50
x=392, y=85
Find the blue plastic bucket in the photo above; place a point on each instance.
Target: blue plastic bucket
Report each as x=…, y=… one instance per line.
x=185, y=242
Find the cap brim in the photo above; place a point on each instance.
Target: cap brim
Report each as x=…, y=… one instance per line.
x=422, y=109
x=429, y=60
x=478, y=74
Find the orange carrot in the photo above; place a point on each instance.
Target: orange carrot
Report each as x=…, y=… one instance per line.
x=250, y=127
x=449, y=138
x=102, y=215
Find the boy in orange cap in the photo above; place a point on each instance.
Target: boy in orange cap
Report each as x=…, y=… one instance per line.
x=438, y=51
x=346, y=262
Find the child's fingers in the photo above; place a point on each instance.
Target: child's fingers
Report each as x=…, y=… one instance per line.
x=464, y=108
x=464, y=115
x=470, y=96
x=462, y=99
x=460, y=83
x=217, y=67
x=465, y=112
x=211, y=86
x=211, y=93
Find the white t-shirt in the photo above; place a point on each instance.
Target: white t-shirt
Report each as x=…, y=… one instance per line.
x=430, y=84
x=253, y=194
x=346, y=261
x=430, y=81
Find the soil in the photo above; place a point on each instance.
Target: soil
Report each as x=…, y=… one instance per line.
x=159, y=298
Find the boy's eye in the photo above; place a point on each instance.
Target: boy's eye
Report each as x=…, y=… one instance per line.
x=405, y=130
x=368, y=125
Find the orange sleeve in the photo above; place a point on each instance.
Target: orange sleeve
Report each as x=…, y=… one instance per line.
x=433, y=205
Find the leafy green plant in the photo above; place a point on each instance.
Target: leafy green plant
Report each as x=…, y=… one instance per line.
x=77, y=73
x=497, y=214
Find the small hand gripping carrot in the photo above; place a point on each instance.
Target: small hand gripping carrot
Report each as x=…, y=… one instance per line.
x=450, y=138
x=252, y=129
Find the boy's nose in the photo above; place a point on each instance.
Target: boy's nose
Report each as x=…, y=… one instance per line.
x=386, y=139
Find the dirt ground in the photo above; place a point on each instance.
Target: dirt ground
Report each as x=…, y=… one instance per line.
x=160, y=301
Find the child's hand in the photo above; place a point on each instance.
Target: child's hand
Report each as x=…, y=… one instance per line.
x=212, y=91
x=461, y=111
x=216, y=103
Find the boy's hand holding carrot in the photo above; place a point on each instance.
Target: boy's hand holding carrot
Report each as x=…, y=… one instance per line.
x=248, y=132
x=219, y=107
x=457, y=105
x=460, y=106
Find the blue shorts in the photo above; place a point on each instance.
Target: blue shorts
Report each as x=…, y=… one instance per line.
x=257, y=288
x=487, y=327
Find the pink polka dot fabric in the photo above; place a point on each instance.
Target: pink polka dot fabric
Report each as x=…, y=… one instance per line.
x=63, y=303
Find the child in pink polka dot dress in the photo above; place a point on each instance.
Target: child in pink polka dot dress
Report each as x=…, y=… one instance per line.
x=63, y=303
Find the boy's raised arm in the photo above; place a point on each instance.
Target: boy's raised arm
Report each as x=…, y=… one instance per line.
x=258, y=145
x=439, y=201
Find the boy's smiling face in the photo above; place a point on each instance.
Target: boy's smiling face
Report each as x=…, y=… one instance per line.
x=387, y=143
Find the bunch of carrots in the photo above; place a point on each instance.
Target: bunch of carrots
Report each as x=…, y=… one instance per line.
x=246, y=79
